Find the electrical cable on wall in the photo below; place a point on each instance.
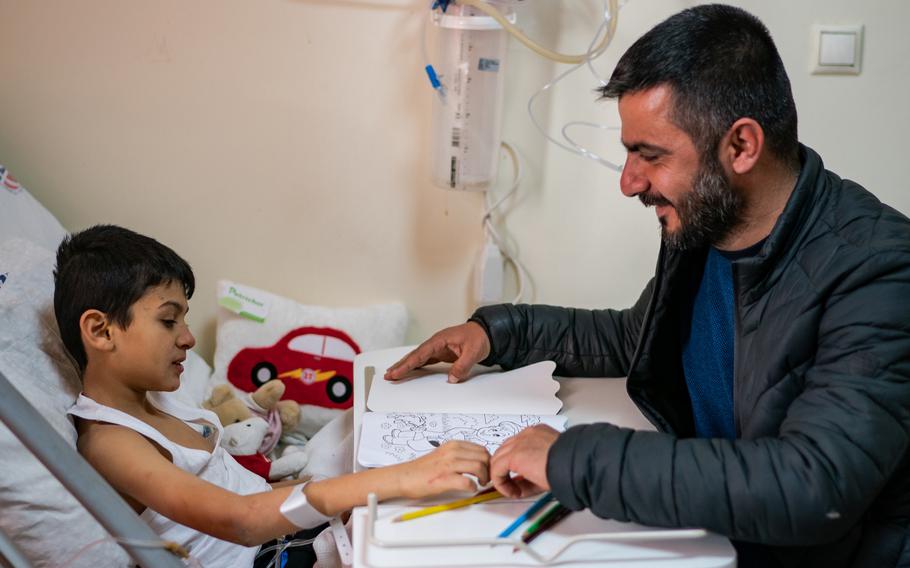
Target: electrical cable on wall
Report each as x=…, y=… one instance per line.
x=487, y=290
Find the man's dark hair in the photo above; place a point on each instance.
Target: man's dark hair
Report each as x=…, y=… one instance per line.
x=721, y=65
x=108, y=268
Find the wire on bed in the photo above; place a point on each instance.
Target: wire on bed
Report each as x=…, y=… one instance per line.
x=168, y=545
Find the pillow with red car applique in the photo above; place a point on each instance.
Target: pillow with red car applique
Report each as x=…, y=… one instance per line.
x=264, y=337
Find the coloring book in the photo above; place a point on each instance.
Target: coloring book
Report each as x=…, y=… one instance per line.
x=411, y=417
x=390, y=438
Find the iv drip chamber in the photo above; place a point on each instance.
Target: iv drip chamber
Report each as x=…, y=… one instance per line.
x=467, y=119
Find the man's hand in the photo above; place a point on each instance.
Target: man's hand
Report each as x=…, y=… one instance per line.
x=524, y=454
x=462, y=345
x=441, y=470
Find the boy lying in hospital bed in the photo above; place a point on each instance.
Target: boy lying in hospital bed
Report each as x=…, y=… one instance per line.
x=121, y=301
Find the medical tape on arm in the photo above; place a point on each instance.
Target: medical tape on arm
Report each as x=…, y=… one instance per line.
x=298, y=510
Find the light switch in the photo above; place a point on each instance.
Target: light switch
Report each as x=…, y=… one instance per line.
x=836, y=49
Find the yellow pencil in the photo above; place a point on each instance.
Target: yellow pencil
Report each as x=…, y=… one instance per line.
x=479, y=498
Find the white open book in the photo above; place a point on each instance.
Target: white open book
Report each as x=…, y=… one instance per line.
x=411, y=417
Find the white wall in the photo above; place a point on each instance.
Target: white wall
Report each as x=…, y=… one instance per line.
x=284, y=143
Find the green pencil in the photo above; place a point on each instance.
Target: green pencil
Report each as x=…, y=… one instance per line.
x=553, y=515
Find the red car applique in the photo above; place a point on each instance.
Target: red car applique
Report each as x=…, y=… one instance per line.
x=315, y=364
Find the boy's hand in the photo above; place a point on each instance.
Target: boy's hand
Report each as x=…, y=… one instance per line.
x=441, y=470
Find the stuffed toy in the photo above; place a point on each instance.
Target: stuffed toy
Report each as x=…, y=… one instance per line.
x=252, y=428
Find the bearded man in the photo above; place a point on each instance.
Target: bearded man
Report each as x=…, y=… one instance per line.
x=772, y=347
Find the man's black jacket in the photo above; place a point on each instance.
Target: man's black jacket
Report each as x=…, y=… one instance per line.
x=819, y=472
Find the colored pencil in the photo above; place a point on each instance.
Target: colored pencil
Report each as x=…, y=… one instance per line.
x=479, y=498
x=532, y=510
x=549, y=519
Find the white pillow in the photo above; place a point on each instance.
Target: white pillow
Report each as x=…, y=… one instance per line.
x=262, y=336
x=39, y=514
x=21, y=216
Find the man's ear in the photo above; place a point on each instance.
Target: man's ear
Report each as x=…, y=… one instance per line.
x=96, y=330
x=742, y=146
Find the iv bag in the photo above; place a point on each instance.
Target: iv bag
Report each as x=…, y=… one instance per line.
x=471, y=49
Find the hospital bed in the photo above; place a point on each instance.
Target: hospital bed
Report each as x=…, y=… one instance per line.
x=55, y=510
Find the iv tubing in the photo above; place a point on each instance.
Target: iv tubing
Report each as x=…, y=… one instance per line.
x=592, y=52
x=438, y=86
x=536, y=47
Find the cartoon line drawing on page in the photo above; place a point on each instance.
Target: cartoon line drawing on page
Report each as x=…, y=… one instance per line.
x=421, y=433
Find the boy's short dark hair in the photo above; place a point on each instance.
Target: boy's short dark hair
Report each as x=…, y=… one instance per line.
x=721, y=65
x=108, y=268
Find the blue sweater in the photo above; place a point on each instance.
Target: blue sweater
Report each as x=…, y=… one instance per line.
x=708, y=350
x=708, y=345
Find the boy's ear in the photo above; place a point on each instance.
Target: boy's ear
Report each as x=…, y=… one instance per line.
x=96, y=330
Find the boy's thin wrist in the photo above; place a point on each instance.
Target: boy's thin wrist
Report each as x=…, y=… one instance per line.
x=396, y=474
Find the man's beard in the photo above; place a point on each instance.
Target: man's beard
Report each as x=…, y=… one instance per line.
x=707, y=214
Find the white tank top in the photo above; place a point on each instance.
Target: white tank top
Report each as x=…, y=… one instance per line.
x=217, y=467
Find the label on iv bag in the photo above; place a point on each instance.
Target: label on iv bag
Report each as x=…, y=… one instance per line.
x=243, y=301
x=485, y=64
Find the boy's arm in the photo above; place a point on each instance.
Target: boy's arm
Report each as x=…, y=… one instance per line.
x=437, y=472
x=134, y=467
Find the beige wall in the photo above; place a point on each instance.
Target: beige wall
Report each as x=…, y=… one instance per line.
x=284, y=143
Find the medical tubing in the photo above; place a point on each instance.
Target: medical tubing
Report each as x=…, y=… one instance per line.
x=536, y=47
x=609, y=21
x=423, y=40
x=607, y=28
x=281, y=547
x=584, y=151
x=431, y=73
x=610, y=8
x=437, y=85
